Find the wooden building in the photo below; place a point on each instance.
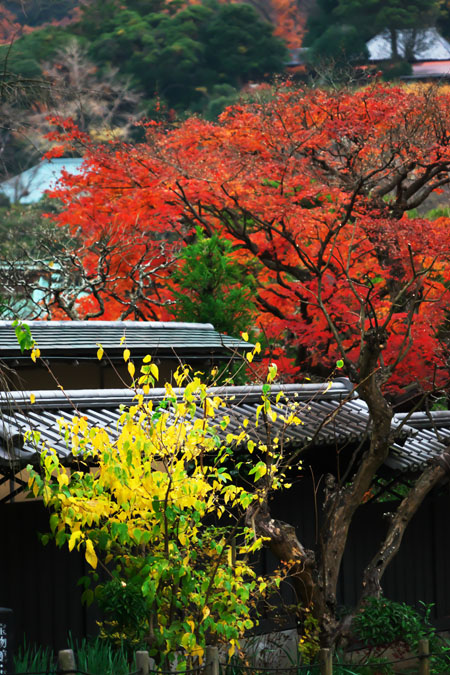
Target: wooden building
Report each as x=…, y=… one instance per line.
x=40, y=583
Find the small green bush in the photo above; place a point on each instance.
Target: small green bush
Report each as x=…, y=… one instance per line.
x=383, y=624
x=395, y=70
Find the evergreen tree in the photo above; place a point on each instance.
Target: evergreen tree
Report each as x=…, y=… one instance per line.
x=213, y=288
x=335, y=24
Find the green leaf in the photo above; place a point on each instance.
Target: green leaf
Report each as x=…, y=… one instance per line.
x=87, y=597
x=54, y=519
x=23, y=335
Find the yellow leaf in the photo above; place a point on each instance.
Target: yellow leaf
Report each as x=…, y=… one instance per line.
x=147, y=358
x=63, y=479
x=32, y=398
x=245, y=337
x=35, y=354
x=185, y=640
x=206, y=612
x=191, y=625
x=90, y=555
x=122, y=340
x=271, y=375
x=73, y=539
x=257, y=348
x=131, y=369
x=126, y=355
x=249, y=356
x=154, y=371
x=100, y=353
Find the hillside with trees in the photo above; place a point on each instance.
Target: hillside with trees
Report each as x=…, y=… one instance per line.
x=106, y=64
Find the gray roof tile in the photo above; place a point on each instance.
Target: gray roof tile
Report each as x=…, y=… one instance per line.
x=72, y=338
x=320, y=408
x=331, y=415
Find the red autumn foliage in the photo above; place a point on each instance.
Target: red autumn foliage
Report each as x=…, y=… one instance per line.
x=12, y=27
x=9, y=27
x=316, y=187
x=289, y=21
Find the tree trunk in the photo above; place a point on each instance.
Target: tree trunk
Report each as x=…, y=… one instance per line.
x=394, y=44
x=344, y=500
x=284, y=544
x=408, y=507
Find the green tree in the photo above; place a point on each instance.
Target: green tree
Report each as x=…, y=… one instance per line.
x=37, y=12
x=319, y=19
x=26, y=55
x=340, y=43
x=209, y=286
x=181, y=55
x=173, y=54
x=443, y=21
x=392, y=15
x=367, y=18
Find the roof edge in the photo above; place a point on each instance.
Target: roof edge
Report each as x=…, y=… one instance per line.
x=117, y=324
x=108, y=397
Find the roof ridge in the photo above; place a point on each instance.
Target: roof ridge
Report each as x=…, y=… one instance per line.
x=118, y=324
x=105, y=397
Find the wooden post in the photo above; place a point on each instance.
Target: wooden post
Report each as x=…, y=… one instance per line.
x=326, y=661
x=424, y=657
x=66, y=661
x=211, y=661
x=143, y=662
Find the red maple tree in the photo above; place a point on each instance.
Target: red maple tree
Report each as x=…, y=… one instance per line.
x=317, y=189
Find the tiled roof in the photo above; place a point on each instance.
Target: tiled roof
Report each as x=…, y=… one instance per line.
x=428, y=45
x=29, y=186
x=66, y=339
x=323, y=420
x=428, y=438
x=330, y=415
x=428, y=69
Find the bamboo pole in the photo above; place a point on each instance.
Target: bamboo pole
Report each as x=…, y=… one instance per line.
x=211, y=661
x=143, y=662
x=66, y=661
x=424, y=657
x=326, y=661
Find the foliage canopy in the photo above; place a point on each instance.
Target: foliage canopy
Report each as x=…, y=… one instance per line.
x=162, y=516
x=314, y=189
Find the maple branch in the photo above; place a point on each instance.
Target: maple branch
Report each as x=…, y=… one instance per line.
x=59, y=280
x=269, y=307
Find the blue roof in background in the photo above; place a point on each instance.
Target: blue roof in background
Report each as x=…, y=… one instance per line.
x=29, y=186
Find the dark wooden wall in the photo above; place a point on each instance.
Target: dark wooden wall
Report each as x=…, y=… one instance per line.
x=421, y=570
x=40, y=583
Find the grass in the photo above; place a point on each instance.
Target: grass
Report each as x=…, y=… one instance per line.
x=91, y=656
